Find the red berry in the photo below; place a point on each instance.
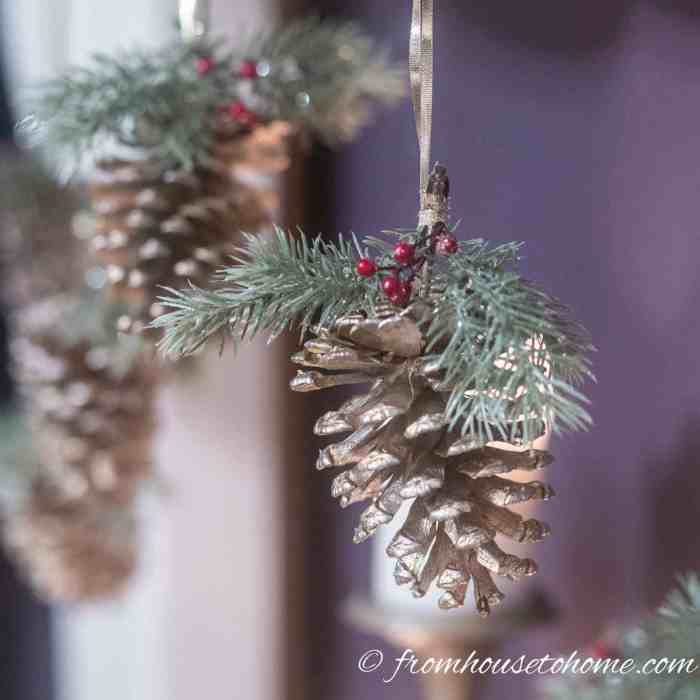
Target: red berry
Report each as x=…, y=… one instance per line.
x=250, y=120
x=405, y=293
x=236, y=109
x=601, y=650
x=401, y=298
x=447, y=245
x=402, y=295
x=204, y=65
x=391, y=285
x=404, y=253
x=248, y=69
x=240, y=113
x=366, y=267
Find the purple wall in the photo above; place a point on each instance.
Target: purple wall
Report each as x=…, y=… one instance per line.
x=574, y=126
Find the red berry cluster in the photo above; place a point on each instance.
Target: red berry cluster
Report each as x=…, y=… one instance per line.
x=236, y=110
x=397, y=280
x=246, y=69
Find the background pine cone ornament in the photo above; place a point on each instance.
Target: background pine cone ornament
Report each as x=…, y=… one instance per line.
x=160, y=226
x=262, y=150
x=89, y=395
x=72, y=550
x=175, y=133
x=400, y=449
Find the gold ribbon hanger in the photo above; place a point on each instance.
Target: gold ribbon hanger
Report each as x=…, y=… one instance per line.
x=421, y=70
x=193, y=16
x=434, y=188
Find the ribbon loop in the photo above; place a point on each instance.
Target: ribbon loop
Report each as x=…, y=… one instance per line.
x=421, y=72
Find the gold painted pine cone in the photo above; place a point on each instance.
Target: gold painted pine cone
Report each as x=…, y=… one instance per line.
x=90, y=404
x=400, y=449
x=158, y=226
x=72, y=551
x=263, y=150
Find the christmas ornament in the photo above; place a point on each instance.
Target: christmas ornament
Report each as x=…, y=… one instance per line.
x=464, y=375
x=75, y=468
x=89, y=397
x=72, y=550
x=167, y=133
x=466, y=363
x=155, y=225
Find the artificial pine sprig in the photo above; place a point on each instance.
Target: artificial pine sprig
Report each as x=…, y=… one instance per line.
x=320, y=76
x=670, y=637
x=511, y=352
x=271, y=286
x=514, y=354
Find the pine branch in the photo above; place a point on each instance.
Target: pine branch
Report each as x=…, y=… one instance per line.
x=323, y=77
x=673, y=633
x=513, y=353
x=272, y=286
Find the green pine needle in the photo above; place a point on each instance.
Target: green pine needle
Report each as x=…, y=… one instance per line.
x=673, y=633
x=513, y=352
x=321, y=76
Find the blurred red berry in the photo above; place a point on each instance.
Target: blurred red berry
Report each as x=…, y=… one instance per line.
x=399, y=292
x=236, y=109
x=204, y=65
x=602, y=650
x=240, y=113
x=405, y=290
x=447, y=245
x=404, y=253
x=366, y=267
x=248, y=69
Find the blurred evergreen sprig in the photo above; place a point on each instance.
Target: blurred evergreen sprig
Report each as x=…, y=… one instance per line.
x=672, y=634
x=512, y=353
x=271, y=286
x=321, y=76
